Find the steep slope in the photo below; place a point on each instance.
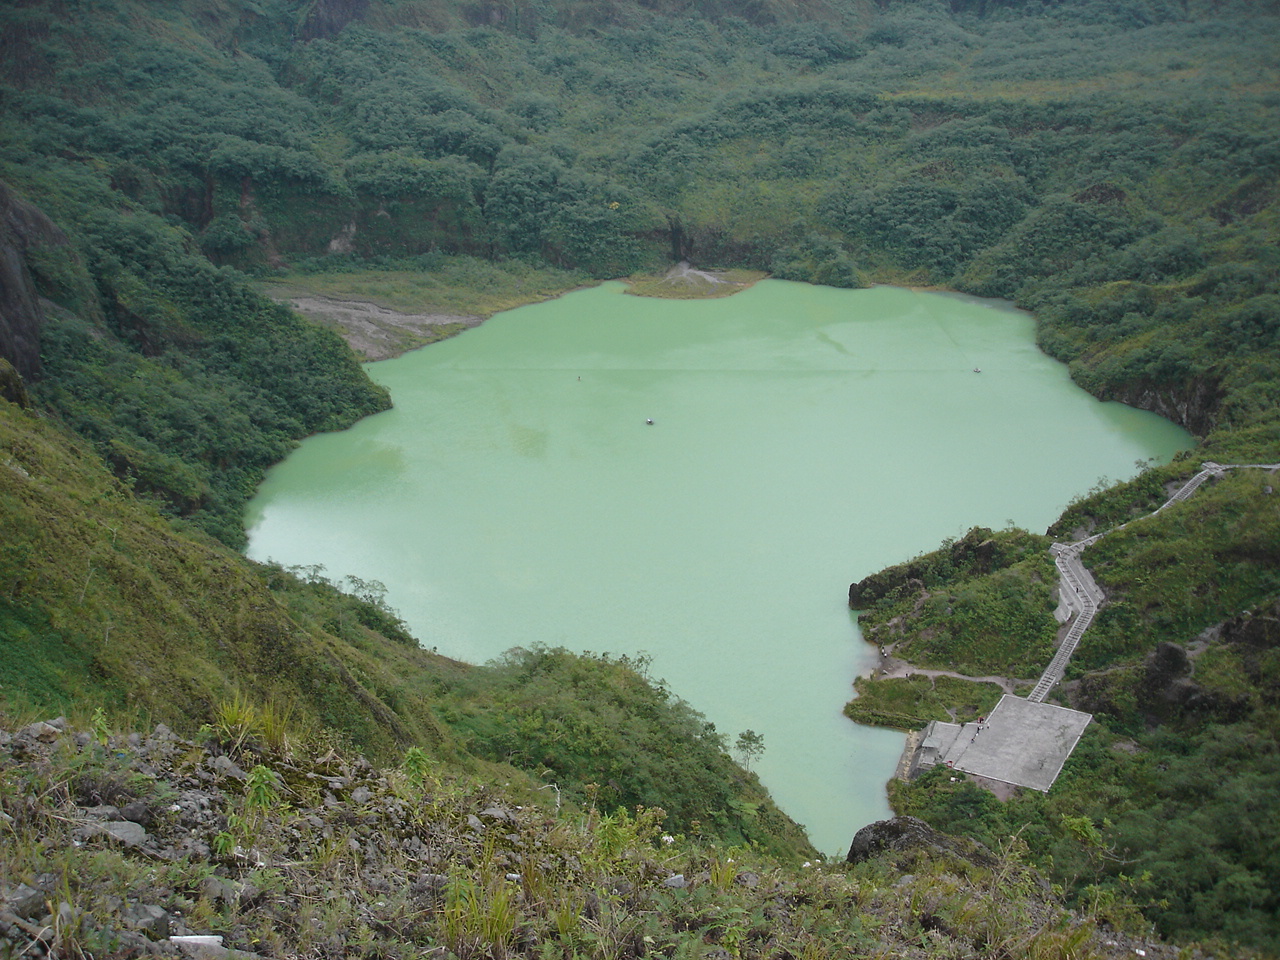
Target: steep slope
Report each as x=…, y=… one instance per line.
x=103, y=603
x=1170, y=796
x=298, y=850
x=1112, y=166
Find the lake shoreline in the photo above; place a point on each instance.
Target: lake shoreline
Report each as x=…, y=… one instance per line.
x=543, y=474
x=376, y=331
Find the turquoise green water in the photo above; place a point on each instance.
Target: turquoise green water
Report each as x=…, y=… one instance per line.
x=803, y=437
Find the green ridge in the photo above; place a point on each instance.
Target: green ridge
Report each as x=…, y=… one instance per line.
x=1113, y=167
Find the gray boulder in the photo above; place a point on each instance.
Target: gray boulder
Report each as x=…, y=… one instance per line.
x=123, y=831
x=24, y=901
x=147, y=918
x=911, y=833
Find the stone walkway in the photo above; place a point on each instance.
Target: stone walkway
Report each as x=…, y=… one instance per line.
x=1082, y=596
x=1026, y=742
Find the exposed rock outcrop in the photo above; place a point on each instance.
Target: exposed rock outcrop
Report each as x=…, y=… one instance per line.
x=1168, y=672
x=1167, y=690
x=327, y=18
x=24, y=231
x=1256, y=631
x=21, y=226
x=903, y=834
x=979, y=551
x=1164, y=688
x=1255, y=636
x=1192, y=405
x=321, y=855
x=11, y=386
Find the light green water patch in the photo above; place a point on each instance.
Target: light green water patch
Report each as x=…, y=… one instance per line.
x=803, y=438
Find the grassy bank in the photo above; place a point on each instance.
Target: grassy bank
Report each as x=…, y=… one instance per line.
x=441, y=284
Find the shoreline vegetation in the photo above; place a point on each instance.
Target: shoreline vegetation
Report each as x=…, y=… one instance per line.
x=383, y=314
x=1111, y=168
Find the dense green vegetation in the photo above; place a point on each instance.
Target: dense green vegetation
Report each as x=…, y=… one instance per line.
x=1177, y=822
x=103, y=603
x=188, y=384
x=1112, y=166
x=1169, y=799
x=596, y=726
x=937, y=613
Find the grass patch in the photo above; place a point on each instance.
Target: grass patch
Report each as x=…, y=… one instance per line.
x=998, y=623
x=910, y=702
x=464, y=286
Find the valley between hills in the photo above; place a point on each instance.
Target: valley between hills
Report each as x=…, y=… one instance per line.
x=197, y=746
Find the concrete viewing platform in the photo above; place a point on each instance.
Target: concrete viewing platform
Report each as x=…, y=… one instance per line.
x=1022, y=742
x=1026, y=742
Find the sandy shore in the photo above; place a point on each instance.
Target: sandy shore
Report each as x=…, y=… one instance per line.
x=375, y=332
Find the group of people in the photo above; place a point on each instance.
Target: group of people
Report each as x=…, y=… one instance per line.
x=981, y=721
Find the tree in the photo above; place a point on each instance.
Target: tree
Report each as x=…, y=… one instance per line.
x=749, y=746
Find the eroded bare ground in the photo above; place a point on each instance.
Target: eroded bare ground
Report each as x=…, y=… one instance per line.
x=682, y=274
x=683, y=281
x=375, y=332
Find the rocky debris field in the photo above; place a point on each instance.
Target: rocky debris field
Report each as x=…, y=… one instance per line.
x=234, y=844
x=375, y=332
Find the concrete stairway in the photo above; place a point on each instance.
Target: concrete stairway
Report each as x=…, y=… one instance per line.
x=1084, y=596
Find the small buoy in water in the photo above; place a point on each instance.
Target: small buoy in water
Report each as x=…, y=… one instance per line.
x=649, y=422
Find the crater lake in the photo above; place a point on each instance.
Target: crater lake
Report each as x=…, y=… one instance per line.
x=802, y=437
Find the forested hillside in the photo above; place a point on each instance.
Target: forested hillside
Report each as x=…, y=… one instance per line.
x=1112, y=165
x=1170, y=798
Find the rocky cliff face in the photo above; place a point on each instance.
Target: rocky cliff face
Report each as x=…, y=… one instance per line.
x=1193, y=405
x=23, y=231
x=326, y=18
x=1164, y=686
x=11, y=386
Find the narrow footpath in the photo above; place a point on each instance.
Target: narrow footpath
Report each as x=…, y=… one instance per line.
x=1025, y=742
x=1082, y=597
x=891, y=668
